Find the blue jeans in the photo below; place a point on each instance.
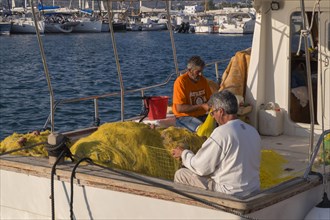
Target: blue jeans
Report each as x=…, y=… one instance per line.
x=191, y=123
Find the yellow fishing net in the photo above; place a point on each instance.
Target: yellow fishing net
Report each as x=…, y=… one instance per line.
x=16, y=141
x=324, y=156
x=271, y=169
x=139, y=148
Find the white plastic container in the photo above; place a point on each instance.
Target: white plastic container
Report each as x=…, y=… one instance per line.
x=270, y=119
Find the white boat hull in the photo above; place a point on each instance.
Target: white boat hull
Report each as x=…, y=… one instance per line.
x=60, y=28
x=89, y=202
x=5, y=28
x=203, y=29
x=244, y=28
x=154, y=27
x=87, y=26
x=23, y=26
x=122, y=197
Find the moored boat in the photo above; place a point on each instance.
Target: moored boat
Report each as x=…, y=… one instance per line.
x=117, y=26
x=237, y=23
x=25, y=25
x=59, y=23
x=87, y=25
x=5, y=27
x=204, y=24
x=264, y=77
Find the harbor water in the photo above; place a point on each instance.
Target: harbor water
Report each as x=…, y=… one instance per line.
x=84, y=65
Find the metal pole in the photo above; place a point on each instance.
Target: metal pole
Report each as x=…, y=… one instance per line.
x=305, y=33
x=43, y=57
x=96, y=112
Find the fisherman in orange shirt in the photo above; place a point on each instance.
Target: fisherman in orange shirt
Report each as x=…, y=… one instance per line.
x=191, y=93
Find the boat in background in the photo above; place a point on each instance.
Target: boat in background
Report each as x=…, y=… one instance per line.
x=25, y=25
x=87, y=25
x=59, y=23
x=204, y=24
x=88, y=22
x=5, y=27
x=236, y=23
x=57, y=19
x=117, y=26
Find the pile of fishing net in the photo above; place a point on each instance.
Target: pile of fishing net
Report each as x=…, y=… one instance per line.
x=139, y=148
x=136, y=147
x=17, y=141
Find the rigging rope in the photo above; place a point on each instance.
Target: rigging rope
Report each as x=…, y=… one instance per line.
x=65, y=152
x=179, y=192
x=73, y=175
x=307, y=32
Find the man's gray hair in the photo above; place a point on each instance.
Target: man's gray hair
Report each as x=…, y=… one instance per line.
x=225, y=100
x=195, y=61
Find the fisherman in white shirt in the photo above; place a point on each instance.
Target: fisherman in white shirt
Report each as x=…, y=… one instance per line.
x=229, y=160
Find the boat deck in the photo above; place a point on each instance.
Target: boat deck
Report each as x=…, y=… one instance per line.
x=124, y=181
x=296, y=153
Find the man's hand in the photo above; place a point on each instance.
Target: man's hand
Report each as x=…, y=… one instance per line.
x=176, y=152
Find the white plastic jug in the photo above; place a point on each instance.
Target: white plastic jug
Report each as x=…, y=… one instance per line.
x=270, y=119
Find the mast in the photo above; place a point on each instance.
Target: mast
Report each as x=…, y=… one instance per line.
x=102, y=6
x=13, y=4
x=140, y=6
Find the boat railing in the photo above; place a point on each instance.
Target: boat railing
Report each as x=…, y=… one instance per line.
x=315, y=152
x=128, y=91
x=216, y=67
x=106, y=95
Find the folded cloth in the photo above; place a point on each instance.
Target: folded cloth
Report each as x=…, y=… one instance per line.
x=301, y=94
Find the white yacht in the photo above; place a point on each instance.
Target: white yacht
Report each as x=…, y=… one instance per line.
x=59, y=23
x=87, y=25
x=25, y=25
x=204, y=24
x=237, y=23
x=5, y=27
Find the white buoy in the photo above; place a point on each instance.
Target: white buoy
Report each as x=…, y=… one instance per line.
x=320, y=211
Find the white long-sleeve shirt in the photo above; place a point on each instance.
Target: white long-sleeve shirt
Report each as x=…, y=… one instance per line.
x=230, y=156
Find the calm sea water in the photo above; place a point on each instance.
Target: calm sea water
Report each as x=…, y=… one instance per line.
x=84, y=65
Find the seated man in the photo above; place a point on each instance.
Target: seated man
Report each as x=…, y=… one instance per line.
x=190, y=95
x=229, y=160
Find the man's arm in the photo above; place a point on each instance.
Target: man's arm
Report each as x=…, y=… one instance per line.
x=204, y=161
x=184, y=108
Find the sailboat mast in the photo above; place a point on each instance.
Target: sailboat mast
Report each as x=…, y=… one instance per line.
x=140, y=6
x=13, y=4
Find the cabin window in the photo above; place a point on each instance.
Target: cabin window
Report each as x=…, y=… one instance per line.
x=298, y=98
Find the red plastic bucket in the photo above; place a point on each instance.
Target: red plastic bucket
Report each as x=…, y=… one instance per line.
x=157, y=107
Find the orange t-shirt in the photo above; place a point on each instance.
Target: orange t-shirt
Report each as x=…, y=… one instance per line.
x=185, y=91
